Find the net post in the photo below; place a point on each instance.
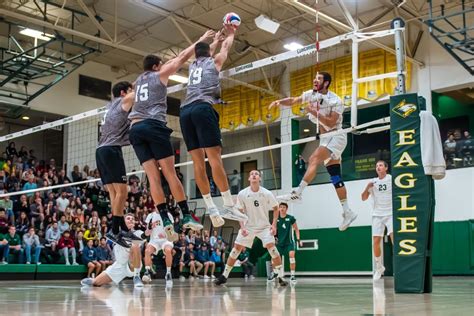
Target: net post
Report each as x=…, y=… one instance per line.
x=398, y=24
x=355, y=76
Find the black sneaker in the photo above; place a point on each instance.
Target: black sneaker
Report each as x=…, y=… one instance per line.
x=220, y=280
x=271, y=277
x=129, y=235
x=117, y=239
x=282, y=282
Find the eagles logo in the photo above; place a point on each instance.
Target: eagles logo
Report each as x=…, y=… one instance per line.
x=404, y=109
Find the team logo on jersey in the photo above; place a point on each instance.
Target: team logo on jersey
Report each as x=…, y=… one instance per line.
x=404, y=109
x=284, y=225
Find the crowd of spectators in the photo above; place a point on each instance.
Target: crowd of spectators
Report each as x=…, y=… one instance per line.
x=68, y=225
x=458, y=149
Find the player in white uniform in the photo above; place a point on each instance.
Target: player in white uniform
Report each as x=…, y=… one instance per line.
x=158, y=241
x=380, y=189
x=255, y=201
x=325, y=109
x=128, y=262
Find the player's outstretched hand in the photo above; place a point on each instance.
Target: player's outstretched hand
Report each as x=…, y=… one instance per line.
x=273, y=104
x=229, y=28
x=208, y=34
x=219, y=36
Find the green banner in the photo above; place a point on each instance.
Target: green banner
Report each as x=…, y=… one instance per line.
x=413, y=199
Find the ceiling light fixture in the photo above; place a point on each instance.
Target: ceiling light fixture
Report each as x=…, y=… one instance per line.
x=292, y=46
x=26, y=118
x=306, y=130
x=179, y=78
x=36, y=34
x=264, y=23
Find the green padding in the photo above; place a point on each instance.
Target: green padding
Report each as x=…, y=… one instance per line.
x=18, y=268
x=59, y=268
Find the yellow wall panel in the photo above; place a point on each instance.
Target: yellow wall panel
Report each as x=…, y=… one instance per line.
x=391, y=66
x=300, y=81
x=342, y=78
x=371, y=63
x=249, y=106
x=231, y=110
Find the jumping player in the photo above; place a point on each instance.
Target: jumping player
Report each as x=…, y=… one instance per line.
x=381, y=190
x=157, y=242
x=255, y=201
x=109, y=157
x=200, y=124
x=286, y=246
x=128, y=262
x=150, y=137
x=325, y=109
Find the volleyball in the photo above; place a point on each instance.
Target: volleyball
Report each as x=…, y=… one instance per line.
x=232, y=18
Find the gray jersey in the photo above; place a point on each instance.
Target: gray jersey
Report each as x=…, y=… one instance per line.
x=114, y=130
x=150, y=98
x=204, y=84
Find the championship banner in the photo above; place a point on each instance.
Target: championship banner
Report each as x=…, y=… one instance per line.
x=413, y=199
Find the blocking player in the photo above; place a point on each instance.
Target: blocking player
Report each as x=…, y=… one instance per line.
x=150, y=137
x=380, y=189
x=109, y=157
x=128, y=261
x=325, y=109
x=200, y=124
x=286, y=224
x=158, y=242
x=255, y=201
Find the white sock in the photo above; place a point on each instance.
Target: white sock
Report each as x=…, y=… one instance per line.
x=301, y=187
x=227, y=270
x=279, y=271
x=147, y=268
x=208, y=200
x=136, y=271
x=227, y=198
x=378, y=260
x=168, y=270
x=292, y=272
x=345, y=205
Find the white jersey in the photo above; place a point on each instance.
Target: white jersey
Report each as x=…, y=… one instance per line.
x=257, y=205
x=382, y=196
x=328, y=103
x=122, y=254
x=152, y=218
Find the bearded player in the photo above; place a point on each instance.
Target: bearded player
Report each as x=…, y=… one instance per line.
x=325, y=109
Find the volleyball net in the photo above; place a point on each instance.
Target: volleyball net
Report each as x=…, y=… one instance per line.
x=252, y=131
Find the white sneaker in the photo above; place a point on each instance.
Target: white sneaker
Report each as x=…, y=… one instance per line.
x=233, y=213
x=28, y=263
x=379, y=270
x=182, y=278
x=206, y=277
x=348, y=218
x=87, y=282
x=291, y=197
x=75, y=263
x=169, y=280
x=67, y=263
x=213, y=276
x=38, y=263
x=216, y=218
x=137, y=283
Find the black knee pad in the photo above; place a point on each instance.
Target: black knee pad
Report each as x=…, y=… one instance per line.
x=335, y=173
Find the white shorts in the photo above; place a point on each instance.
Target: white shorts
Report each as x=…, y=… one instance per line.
x=160, y=244
x=264, y=235
x=379, y=223
x=336, y=145
x=117, y=272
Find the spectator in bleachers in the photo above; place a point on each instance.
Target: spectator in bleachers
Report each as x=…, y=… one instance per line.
x=190, y=260
x=221, y=246
x=14, y=244
x=204, y=258
x=67, y=247
x=216, y=257
x=104, y=253
x=3, y=249
x=36, y=209
x=11, y=151
x=30, y=185
x=213, y=239
x=3, y=221
x=466, y=149
x=62, y=202
x=89, y=258
x=52, y=236
x=80, y=243
x=247, y=266
x=76, y=174
x=92, y=234
x=63, y=225
x=31, y=243
x=234, y=182
x=21, y=206
x=450, y=150
x=23, y=153
x=22, y=224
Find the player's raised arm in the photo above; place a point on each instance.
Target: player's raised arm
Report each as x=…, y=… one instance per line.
x=219, y=37
x=170, y=67
x=221, y=57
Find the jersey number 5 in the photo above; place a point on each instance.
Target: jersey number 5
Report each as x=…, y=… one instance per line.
x=142, y=92
x=195, y=76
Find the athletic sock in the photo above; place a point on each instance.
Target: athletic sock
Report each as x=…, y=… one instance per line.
x=163, y=210
x=279, y=270
x=136, y=271
x=301, y=187
x=208, y=200
x=345, y=205
x=227, y=270
x=115, y=224
x=183, y=205
x=378, y=260
x=168, y=270
x=292, y=272
x=147, y=268
x=123, y=225
x=227, y=196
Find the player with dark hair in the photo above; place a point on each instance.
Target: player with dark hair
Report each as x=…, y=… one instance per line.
x=150, y=137
x=326, y=110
